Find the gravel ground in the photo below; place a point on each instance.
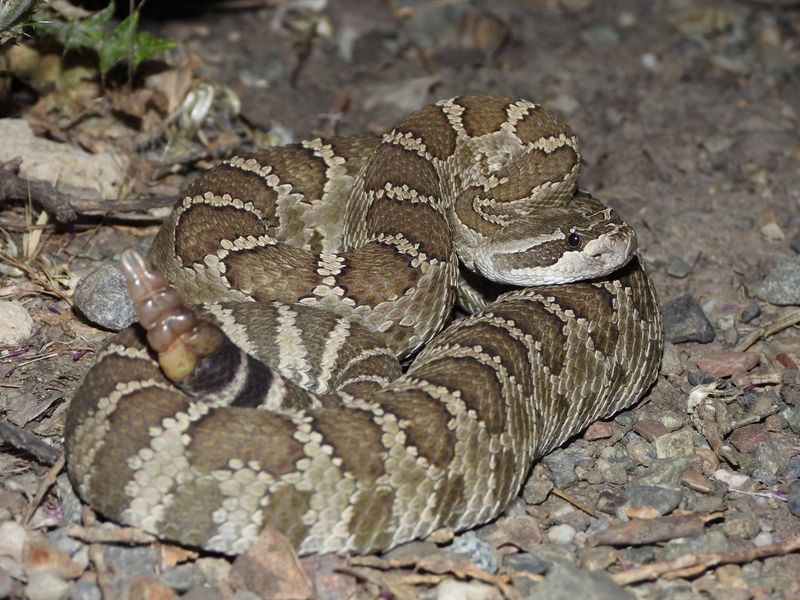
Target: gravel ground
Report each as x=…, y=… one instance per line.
x=688, y=116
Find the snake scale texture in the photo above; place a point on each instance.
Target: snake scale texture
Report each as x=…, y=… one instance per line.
x=280, y=401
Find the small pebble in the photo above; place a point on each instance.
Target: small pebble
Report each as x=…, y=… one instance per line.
x=750, y=312
x=790, y=387
x=793, y=497
x=685, y=321
x=661, y=499
x=675, y=444
x=677, y=267
x=650, y=429
x=725, y=364
x=696, y=481
x=102, y=297
x=46, y=585
x=740, y=524
x=599, y=430
x=782, y=285
x=524, y=561
x=561, y=465
x=478, y=551
x=736, y=481
x=561, y=534
x=16, y=325
x=763, y=539
x=745, y=439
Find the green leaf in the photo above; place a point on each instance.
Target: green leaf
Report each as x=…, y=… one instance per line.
x=112, y=44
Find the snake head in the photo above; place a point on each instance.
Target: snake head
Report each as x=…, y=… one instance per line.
x=581, y=240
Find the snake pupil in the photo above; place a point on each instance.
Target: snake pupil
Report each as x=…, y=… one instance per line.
x=574, y=240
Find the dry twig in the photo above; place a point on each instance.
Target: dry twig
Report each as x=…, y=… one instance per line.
x=691, y=565
x=792, y=318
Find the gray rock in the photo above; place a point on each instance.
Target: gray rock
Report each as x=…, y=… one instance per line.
x=771, y=461
x=641, y=451
x=70, y=504
x=792, y=470
x=675, y=444
x=666, y=472
x=713, y=541
x=86, y=590
x=182, y=577
x=600, y=36
x=740, y=524
x=782, y=285
x=566, y=582
x=793, y=497
x=790, y=387
x=526, y=562
x=700, y=378
x=561, y=465
x=102, y=297
x=478, y=551
x=677, y=267
x=793, y=419
x=127, y=563
x=663, y=500
x=46, y=585
x=685, y=321
x=536, y=489
x=750, y=312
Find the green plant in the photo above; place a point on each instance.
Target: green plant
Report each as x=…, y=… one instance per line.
x=111, y=43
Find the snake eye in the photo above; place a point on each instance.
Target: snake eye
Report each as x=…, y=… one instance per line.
x=574, y=240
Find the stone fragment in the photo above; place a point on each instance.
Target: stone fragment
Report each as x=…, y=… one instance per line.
x=781, y=286
x=725, y=364
x=685, y=321
x=745, y=439
x=675, y=444
x=793, y=497
x=650, y=429
x=567, y=582
x=599, y=430
x=102, y=297
x=16, y=325
x=662, y=499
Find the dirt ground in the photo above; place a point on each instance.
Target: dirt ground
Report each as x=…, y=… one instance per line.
x=688, y=114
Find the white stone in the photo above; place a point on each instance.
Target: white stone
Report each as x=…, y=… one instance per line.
x=561, y=534
x=16, y=324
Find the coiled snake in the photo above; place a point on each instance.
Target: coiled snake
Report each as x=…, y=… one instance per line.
x=300, y=417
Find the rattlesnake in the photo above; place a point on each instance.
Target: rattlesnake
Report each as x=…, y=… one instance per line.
x=331, y=443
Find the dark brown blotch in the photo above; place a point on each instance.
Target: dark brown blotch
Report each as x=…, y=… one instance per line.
x=595, y=304
x=355, y=439
x=430, y=125
x=202, y=227
x=418, y=223
x=129, y=431
x=365, y=279
x=299, y=167
x=401, y=166
x=269, y=272
x=426, y=423
x=239, y=427
x=479, y=384
x=541, y=123
x=496, y=341
x=544, y=326
x=483, y=115
x=239, y=184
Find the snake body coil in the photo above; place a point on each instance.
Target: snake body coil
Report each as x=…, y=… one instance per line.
x=324, y=261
